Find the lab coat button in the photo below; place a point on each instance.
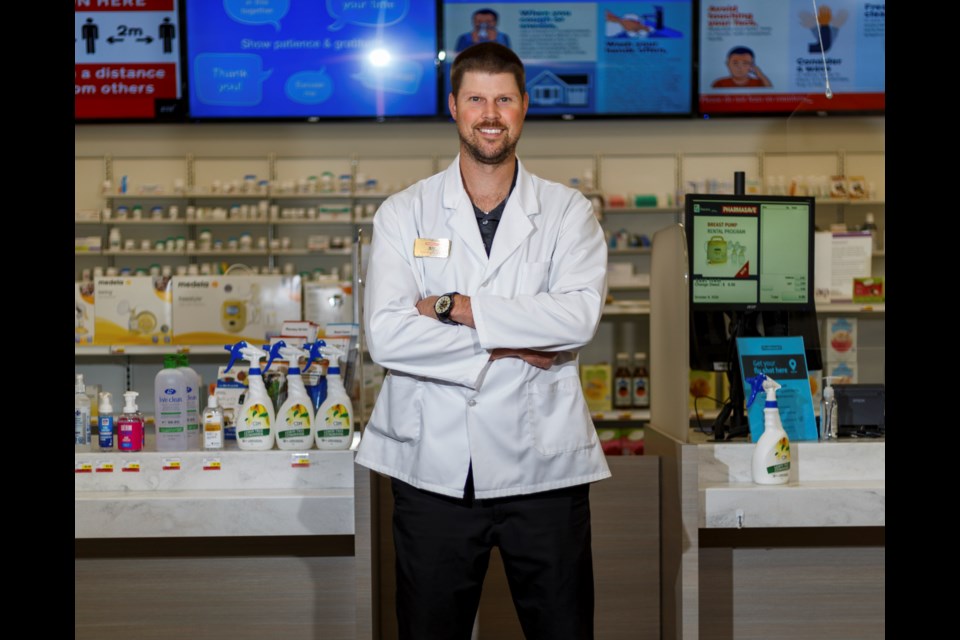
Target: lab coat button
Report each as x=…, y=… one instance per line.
x=472, y=403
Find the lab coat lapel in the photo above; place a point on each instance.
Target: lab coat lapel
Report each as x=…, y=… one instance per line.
x=515, y=224
x=460, y=215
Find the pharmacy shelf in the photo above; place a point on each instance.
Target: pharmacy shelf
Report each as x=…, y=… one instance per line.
x=622, y=415
x=146, y=350
x=312, y=252
x=145, y=252
x=629, y=251
x=851, y=307
x=632, y=308
x=310, y=221
x=640, y=210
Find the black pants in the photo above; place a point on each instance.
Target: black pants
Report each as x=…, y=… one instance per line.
x=443, y=549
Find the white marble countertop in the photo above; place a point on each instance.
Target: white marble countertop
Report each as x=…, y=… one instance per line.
x=205, y=493
x=832, y=484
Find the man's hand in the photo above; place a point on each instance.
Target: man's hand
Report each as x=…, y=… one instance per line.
x=539, y=359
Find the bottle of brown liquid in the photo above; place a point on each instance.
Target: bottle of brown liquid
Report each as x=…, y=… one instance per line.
x=640, y=382
x=622, y=382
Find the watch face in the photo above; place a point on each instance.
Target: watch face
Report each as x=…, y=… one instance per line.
x=443, y=305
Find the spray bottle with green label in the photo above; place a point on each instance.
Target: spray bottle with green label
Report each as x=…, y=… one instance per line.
x=771, y=454
x=295, y=416
x=334, y=418
x=255, y=431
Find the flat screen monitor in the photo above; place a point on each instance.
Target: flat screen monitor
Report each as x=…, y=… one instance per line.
x=337, y=59
x=767, y=57
x=586, y=59
x=127, y=61
x=750, y=273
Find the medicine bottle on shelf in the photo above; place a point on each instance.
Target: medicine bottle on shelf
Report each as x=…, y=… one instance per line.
x=622, y=383
x=640, y=381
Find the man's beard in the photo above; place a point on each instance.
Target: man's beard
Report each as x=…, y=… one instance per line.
x=499, y=156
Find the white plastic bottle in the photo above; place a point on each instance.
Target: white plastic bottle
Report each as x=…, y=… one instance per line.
x=105, y=422
x=255, y=422
x=828, y=411
x=212, y=425
x=81, y=415
x=194, y=385
x=295, y=417
x=771, y=454
x=334, y=419
x=170, y=406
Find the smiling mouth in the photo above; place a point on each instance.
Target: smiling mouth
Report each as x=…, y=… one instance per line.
x=491, y=131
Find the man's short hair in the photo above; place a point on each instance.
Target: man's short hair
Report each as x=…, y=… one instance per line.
x=740, y=51
x=480, y=12
x=487, y=57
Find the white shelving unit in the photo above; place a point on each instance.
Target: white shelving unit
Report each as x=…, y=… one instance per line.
x=625, y=326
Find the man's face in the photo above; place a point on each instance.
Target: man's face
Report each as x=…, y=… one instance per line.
x=484, y=19
x=489, y=111
x=740, y=65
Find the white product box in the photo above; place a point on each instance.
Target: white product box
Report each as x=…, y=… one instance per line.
x=230, y=308
x=83, y=331
x=299, y=329
x=326, y=303
x=231, y=387
x=133, y=310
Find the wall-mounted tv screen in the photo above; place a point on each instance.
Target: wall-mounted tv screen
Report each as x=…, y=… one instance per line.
x=586, y=59
x=311, y=59
x=765, y=57
x=127, y=61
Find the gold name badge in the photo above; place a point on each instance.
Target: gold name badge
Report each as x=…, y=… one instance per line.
x=427, y=248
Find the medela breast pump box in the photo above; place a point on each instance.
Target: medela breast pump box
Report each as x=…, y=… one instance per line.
x=133, y=310
x=83, y=326
x=229, y=308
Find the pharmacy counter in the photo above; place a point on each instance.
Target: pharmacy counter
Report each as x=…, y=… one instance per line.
x=832, y=484
x=739, y=559
x=229, y=544
x=226, y=493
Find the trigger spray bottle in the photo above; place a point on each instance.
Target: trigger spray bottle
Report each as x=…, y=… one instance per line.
x=295, y=417
x=771, y=454
x=334, y=419
x=255, y=430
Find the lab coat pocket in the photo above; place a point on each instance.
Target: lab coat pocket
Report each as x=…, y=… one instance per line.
x=532, y=277
x=557, y=416
x=398, y=412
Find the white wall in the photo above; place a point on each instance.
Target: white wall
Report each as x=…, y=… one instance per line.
x=780, y=135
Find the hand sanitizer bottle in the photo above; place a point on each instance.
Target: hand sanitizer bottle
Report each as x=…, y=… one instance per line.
x=828, y=411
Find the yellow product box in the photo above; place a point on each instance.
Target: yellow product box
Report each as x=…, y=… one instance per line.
x=703, y=391
x=133, y=310
x=83, y=324
x=228, y=308
x=597, y=382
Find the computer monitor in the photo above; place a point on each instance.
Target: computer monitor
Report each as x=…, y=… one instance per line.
x=750, y=266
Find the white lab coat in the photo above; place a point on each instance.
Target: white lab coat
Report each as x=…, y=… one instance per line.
x=443, y=402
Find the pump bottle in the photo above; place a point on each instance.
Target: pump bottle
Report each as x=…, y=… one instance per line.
x=105, y=422
x=212, y=425
x=334, y=419
x=255, y=430
x=828, y=411
x=81, y=416
x=131, y=435
x=771, y=454
x=295, y=418
x=170, y=404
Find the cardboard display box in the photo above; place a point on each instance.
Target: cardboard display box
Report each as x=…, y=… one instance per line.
x=132, y=310
x=229, y=308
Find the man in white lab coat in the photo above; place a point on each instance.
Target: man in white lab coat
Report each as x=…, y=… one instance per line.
x=484, y=281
